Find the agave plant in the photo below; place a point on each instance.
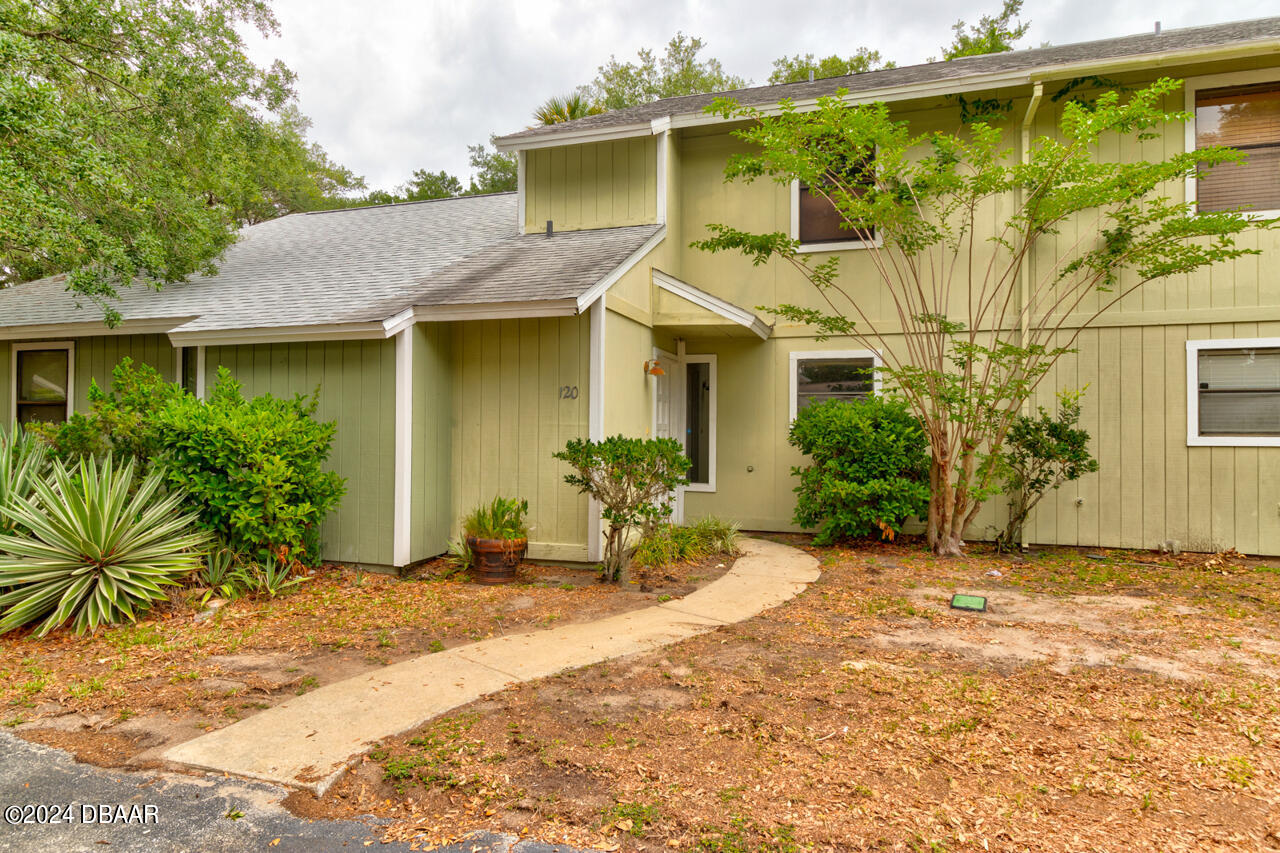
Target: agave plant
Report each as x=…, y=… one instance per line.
x=23, y=458
x=92, y=549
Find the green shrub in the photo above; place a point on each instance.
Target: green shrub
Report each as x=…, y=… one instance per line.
x=98, y=550
x=1041, y=453
x=23, y=460
x=501, y=518
x=671, y=543
x=252, y=469
x=120, y=421
x=869, y=470
x=635, y=481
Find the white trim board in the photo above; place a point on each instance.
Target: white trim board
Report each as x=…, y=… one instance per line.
x=1194, y=438
x=402, y=518
x=1214, y=81
x=92, y=328
x=595, y=417
x=15, y=348
x=797, y=356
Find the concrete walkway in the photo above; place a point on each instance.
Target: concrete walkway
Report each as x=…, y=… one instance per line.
x=310, y=741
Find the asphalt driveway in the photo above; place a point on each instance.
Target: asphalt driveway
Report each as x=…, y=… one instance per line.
x=48, y=801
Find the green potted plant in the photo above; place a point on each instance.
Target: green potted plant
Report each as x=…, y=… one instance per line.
x=498, y=538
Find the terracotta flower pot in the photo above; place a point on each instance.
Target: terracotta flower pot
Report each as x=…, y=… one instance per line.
x=496, y=559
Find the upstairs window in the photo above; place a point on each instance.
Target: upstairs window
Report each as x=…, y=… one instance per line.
x=1234, y=393
x=1246, y=118
x=42, y=374
x=815, y=221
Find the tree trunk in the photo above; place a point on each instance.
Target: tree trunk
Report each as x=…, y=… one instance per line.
x=944, y=515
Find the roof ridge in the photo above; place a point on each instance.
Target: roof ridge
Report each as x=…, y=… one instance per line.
x=403, y=203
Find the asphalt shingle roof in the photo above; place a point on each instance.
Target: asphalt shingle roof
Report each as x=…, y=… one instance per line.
x=356, y=265
x=957, y=69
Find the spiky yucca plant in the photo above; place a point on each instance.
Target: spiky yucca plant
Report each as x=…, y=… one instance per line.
x=23, y=458
x=88, y=552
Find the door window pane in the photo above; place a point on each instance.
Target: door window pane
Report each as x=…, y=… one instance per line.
x=698, y=421
x=43, y=377
x=1239, y=391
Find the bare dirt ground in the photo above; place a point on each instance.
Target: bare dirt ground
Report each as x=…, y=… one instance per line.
x=122, y=697
x=1110, y=701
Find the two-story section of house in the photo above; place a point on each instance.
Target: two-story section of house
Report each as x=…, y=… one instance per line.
x=1182, y=378
x=459, y=343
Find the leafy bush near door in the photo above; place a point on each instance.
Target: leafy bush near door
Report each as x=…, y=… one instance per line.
x=635, y=481
x=869, y=469
x=94, y=546
x=252, y=468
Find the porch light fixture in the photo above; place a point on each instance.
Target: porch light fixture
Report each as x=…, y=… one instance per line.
x=653, y=368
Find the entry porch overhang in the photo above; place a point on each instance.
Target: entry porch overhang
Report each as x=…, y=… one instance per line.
x=690, y=312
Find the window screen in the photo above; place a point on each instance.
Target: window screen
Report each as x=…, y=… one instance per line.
x=1246, y=118
x=1239, y=391
x=819, y=379
x=42, y=385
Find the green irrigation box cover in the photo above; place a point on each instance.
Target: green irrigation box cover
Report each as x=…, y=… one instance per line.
x=969, y=602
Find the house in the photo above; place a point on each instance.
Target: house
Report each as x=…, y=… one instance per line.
x=459, y=343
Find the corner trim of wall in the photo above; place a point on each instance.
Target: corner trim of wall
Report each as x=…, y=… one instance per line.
x=402, y=517
x=200, y=372
x=595, y=417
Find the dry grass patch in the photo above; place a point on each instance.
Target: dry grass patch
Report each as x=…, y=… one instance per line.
x=806, y=728
x=129, y=691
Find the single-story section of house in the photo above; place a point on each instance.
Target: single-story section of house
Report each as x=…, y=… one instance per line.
x=455, y=354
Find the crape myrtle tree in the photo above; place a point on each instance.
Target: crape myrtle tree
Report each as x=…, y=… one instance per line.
x=964, y=338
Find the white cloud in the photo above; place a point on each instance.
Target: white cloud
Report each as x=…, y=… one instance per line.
x=395, y=85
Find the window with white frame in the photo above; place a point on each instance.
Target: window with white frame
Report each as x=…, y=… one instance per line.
x=1240, y=111
x=1233, y=392
x=42, y=382
x=820, y=375
x=817, y=224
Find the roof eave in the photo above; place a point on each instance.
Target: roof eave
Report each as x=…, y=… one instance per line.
x=909, y=91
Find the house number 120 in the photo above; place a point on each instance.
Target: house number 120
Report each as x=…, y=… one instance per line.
x=568, y=392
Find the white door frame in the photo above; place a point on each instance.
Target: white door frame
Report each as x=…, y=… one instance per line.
x=678, y=416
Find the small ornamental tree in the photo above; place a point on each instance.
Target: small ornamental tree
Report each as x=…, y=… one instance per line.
x=1041, y=453
x=951, y=222
x=634, y=480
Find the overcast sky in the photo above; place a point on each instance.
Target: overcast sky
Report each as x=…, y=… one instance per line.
x=396, y=85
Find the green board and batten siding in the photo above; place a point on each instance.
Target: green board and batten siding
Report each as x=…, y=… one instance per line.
x=519, y=393
x=356, y=381
x=431, y=515
x=596, y=185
